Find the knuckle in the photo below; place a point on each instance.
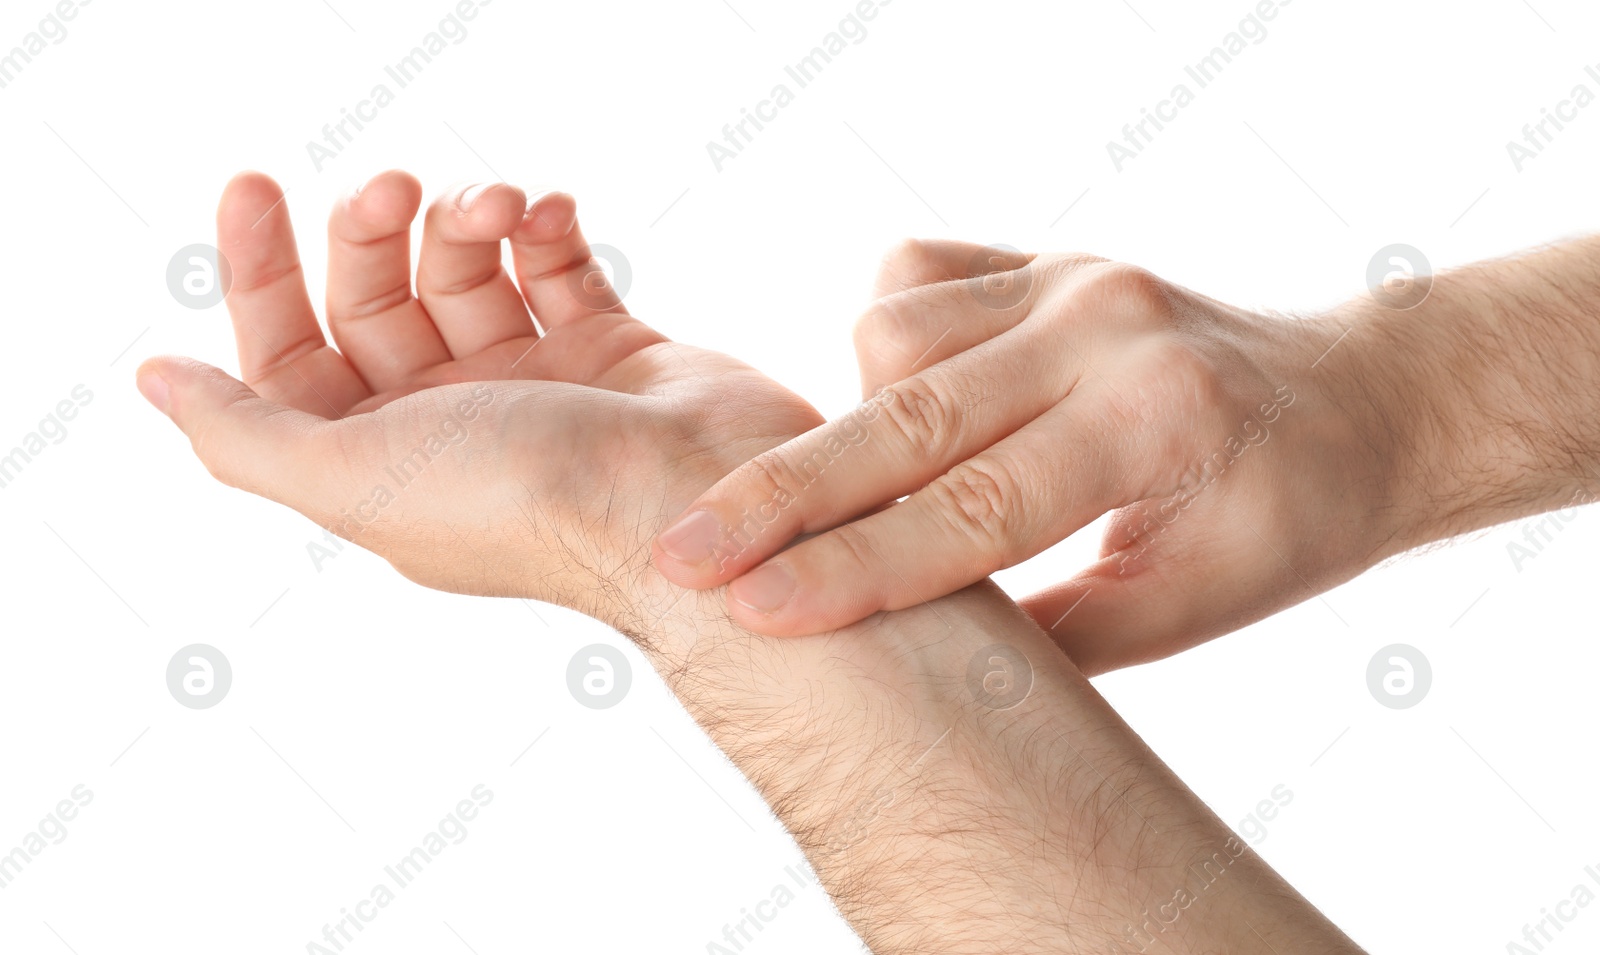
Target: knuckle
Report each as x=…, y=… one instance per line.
x=1186, y=395
x=434, y=284
x=921, y=413
x=1185, y=375
x=1079, y=259
x=980, y=499
x=995, y=258
x=1056, y=268
x=850, y=548
x=896, y=335
x=769, y=476
x=1128, y=288
x=379, y=302
x=893, y=327
x=909, y=262
x=879, y=329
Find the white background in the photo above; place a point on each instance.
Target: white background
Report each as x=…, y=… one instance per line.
x=363, y=707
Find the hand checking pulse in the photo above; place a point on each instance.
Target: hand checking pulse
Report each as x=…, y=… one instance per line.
x=1249, y=461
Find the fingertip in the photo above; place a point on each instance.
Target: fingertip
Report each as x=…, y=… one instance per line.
x=548, y=217
x=691, y=539
x=689, y=576
x=175, y=369
x=808, y=589
x=766, y=590
x=478, y=212
x=690, y=551
x=247, y=199
x=771, y=600
x=153, y=385
x=385, y=203
x=252, y=182
x=395, y=180
x=766, y=624
x=486, y=197
x=178, y=385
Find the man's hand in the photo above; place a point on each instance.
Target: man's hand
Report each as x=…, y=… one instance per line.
x=1023, y=397
x=1250, y=461
x=448, y=433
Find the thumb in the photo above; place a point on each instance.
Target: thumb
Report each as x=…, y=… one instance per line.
x=244, y=440
x=1152, y=599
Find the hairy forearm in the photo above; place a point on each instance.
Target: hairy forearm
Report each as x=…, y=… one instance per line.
x=1488, y=391
x=940, y=822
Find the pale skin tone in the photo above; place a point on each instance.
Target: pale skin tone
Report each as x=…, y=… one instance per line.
x=937, y=821
x=1249, y=461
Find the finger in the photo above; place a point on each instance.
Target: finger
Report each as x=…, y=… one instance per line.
x=1170, y=585
x=893, y=444
x=381, y=328
x=244, y=440
x=281, y=349
x=558, y=275
x=903, y=333
x=900, y=334
x=999, y=507
x=460, y=278
x=917, y=262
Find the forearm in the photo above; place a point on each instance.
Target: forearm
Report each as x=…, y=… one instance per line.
x=1488, y=392
x=939, y=822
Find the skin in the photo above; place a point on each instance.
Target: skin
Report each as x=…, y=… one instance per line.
x=1248, y=461
x=937, y=819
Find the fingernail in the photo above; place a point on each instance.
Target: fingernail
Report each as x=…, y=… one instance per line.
x=155, y=390
x=472, y=194
x=692, y=539
x=766, y=588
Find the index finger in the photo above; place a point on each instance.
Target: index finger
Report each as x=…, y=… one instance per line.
x=282, y=353
x=896, y=442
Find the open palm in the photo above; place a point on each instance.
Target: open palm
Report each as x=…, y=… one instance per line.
x=476, y=450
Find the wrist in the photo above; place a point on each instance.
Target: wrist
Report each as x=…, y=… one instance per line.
x=1378, y=380
x=1482, y=394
